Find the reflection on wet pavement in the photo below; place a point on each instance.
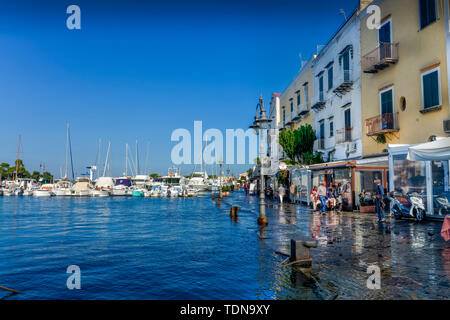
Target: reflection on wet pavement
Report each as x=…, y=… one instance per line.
x=413, y=258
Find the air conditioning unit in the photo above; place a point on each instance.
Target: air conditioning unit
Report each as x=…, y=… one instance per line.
x=447, y=125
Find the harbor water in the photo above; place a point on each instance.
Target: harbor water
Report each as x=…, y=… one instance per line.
x=177, y=248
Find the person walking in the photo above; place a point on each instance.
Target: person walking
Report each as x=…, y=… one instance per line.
x=292, y=191
x=379, y=194
x=281, y=193
x=322, y=193
x=313, y=198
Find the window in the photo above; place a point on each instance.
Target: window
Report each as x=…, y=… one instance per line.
x=321, y=134
x=387, y=109
x=331, y=128
x=298, y=99
x=284, y=116
x=431, y=88
x=385, y=39
x=427, y=12
x=330, y=78
x=306, y=96
x=292, y=109
x=387, y=101
x=321, y=88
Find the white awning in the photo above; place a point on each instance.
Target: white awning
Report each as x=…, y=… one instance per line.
x=438, y=150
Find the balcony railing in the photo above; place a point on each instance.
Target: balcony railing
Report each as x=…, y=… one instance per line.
x=384, y=123
x=318, y=102
x=344, y=82
x=380, y=58
x=343, y=135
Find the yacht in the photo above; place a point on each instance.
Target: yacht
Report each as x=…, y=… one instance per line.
x=82, y=188
x=199, y=181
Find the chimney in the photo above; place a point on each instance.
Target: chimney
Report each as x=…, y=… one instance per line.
x=364, y=4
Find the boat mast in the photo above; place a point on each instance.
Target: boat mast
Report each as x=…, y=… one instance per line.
x=109, y=156
x=70, y=151
x=17, y=162
x=99, y=156
x=126, y=159
x=137, y=158
x=106, y=160
x=147, y=157
x=67, y=152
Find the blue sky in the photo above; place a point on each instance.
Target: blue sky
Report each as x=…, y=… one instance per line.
x=142, y=69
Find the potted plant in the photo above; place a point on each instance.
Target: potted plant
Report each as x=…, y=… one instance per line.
x=367, y=203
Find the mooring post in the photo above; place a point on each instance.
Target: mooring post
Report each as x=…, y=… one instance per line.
x=234, y=212
x=301, y=252
x=218, y=202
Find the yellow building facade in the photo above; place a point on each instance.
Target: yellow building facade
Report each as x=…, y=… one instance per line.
x=404, y=82
x=295, y=101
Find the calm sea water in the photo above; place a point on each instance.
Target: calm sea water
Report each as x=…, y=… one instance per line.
x=137, y=248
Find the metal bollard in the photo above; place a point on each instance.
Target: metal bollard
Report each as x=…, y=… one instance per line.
x=301, y=252
x=234, y=212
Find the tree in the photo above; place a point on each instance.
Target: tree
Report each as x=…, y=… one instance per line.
x=305, y=139
x=47, y=177
x=4, y=170
x=297, y=143
x=154, y=175
x=287, y=140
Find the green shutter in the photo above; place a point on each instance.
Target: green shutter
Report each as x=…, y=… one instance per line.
x=431, y=90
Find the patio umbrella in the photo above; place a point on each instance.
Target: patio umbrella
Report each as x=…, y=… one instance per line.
x=438, y=150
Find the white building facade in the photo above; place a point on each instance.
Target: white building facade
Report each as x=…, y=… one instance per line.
x=337, y=95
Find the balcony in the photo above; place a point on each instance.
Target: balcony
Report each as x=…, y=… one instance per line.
x=380, y=58
x=384, y=123
x=318, y=102
x=344, y=135
x=345, y=82
x=319, y=144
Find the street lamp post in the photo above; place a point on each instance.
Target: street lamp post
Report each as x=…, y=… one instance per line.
x=259, y=125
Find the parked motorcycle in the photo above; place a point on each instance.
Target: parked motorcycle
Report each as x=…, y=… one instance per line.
x=443, y=205
x=410, y=206
x=269, y=193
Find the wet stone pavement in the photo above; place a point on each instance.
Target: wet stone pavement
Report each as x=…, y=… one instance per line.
x=413, y=258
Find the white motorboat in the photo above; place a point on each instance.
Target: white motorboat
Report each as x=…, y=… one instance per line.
x=199, y=181
x=46, y=190
x=103, y=187
x=175, y=191
x=100, y=193
x=28, y=192
x=62, y=188
x=7, y=192
x=121, y=187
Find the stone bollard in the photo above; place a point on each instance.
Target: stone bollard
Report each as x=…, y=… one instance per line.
x=234, y=212
x=300, y=251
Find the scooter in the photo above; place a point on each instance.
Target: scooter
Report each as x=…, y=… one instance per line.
x=269, y=193
x=443, y=204
x=409, y=206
